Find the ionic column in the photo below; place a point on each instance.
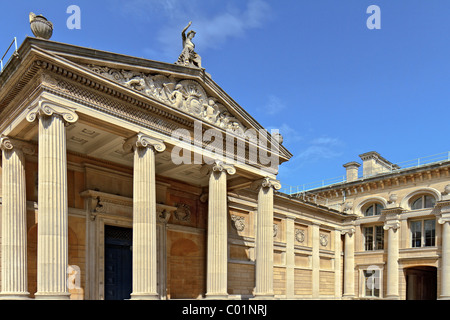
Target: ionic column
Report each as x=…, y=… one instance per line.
x=217, y=262
x=144, y=216
x=264, y=238
x=392, y=260
x=445, y=253
x=52, y=250
x=349, y=263
x=14, y=222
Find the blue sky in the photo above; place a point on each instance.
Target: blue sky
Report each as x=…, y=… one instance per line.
x=312, y=69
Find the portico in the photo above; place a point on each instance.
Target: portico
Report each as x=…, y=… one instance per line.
x=81, y=122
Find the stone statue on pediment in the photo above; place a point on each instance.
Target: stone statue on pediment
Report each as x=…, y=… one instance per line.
x=188, y=56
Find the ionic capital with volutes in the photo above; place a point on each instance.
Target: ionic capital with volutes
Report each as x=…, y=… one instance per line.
x=349, y=231
x=218, y=166
x=48, y=109
x=266, y=182
x=7, y=143
x=143, y=141
x=394, y=225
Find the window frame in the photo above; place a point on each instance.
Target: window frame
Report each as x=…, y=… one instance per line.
x=373, y=206
x=423, y=233
x=423, y=198
x=374, y=245
x=364, y=289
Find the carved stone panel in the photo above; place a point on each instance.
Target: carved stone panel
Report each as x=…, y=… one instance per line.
x=185, y=95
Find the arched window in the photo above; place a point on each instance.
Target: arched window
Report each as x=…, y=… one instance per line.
x=373, y=209
x=423, y=201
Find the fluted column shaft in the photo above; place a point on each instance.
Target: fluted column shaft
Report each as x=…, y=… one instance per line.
x=264, y=239
x=145, y=285
x=217, y=257
x=52, y=247
x=349, y=263
x=392, y=262
x=14, y=224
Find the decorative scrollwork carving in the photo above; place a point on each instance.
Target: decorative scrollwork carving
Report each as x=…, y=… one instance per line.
x=300, y=235
x=238, y=222
x=323, y=240
x=185, y=95
x=45, y=108
x=143, y=141
x=183, y=212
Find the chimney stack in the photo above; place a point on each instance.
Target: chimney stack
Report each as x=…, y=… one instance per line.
x=352, y=170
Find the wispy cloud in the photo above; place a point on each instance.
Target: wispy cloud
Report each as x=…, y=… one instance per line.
x=215, y=23
x=274, y=105
x=321, y=148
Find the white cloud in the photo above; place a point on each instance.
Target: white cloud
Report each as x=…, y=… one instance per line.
x=321, y=148
x=274, y=105
x=214, y=23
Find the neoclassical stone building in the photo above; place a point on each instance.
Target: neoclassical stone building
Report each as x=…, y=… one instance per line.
x=399, y=236
x=110, y=190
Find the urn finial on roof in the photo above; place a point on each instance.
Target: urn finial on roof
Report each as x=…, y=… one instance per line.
x=41, y=27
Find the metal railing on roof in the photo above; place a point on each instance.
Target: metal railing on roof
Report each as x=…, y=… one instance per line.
x=398, y=167
x=7, y=50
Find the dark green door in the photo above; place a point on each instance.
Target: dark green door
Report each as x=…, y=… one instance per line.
x=118, y=263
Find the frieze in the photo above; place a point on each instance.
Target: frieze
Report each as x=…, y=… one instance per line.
x=185, y=95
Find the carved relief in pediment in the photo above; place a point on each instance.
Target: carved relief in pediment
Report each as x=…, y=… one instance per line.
x=185, y=95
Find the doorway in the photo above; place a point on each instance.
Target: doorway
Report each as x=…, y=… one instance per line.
x=118, y=263
x=421, y=283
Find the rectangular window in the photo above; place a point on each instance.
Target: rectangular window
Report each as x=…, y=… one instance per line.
x=423, y=233
x=372, y=283
x=379, y=238
x=373, y=238
x=416, y=234
x=430, y=232
x=368, y=238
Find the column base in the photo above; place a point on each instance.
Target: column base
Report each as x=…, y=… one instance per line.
x=52, y=296
x=444, y=298
x=144, y=296
x=216, y=296
x=15, y=296
x=392, y=297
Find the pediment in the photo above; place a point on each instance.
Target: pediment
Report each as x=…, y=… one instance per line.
x=177, y=93
x=185, y=95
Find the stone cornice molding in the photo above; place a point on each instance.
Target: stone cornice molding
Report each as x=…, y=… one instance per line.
x=218, y=166
x=7, y=143
x=266, y=182
x=143, y=141
x=47, y=108
x=392, y=212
